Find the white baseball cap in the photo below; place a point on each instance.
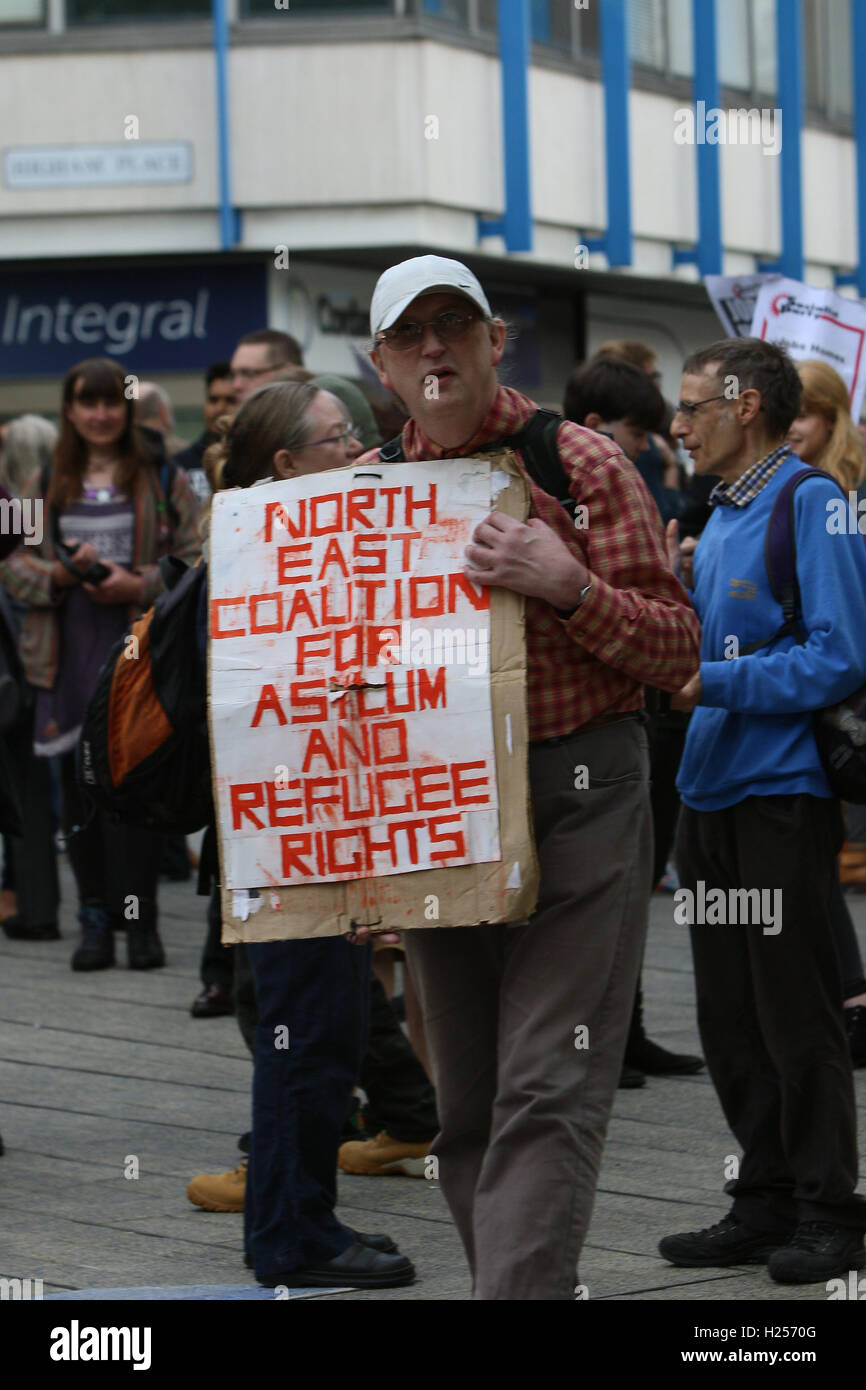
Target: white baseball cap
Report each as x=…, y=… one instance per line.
x=399, y=285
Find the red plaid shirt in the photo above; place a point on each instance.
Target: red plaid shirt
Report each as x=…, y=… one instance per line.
x=636, y=625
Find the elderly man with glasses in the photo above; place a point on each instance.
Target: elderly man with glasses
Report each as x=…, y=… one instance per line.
x=523, y=1106
x=760, y=824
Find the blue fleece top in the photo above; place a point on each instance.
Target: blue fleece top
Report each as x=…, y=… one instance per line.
x=751, y=735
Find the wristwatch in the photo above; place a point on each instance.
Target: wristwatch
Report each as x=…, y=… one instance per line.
x=567, y=613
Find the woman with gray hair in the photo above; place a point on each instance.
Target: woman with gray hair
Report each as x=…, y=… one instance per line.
x=28, y=444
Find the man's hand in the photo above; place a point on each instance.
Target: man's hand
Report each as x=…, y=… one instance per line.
x=528, y=558
x=689, y=696
x=681, y=554
x=117, y=587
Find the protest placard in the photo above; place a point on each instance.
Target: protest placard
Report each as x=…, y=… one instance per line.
x=819, y=324
x=734, y=298
x=367, y=704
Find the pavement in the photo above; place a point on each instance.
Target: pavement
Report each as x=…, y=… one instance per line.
x=106, y=1075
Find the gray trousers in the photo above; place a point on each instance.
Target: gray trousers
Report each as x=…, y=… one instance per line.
x=524, y=1094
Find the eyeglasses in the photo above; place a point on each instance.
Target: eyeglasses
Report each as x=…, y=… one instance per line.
x=690, y=408
x=350, y=430
x=448, y=327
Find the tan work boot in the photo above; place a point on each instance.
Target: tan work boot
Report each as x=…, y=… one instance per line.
x=383, y=1155
x=220, y=1191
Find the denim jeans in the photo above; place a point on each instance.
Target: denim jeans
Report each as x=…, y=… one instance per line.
x=313, y=1003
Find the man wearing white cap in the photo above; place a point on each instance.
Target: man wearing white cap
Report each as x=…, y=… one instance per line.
x=527, y=1023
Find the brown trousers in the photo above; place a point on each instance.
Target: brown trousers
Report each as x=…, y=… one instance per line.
x=527, y=1024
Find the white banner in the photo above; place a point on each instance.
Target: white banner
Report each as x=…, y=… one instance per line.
x=350, y=675
x=820, y=324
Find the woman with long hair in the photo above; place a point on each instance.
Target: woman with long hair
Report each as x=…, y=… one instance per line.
x=300, y=1095
x=825, y=436
x=824, y=433
x=111, y=508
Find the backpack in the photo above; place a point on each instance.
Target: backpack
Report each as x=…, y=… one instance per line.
x=536, y=441
x=839, y=730
x=143, y=753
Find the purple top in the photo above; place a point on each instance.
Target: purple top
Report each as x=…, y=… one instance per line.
x=88, y=630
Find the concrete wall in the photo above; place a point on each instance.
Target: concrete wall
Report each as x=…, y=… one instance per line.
x=331, y=149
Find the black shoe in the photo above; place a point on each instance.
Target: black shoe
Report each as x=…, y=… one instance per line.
x=855, y=1027
x=96, y=951
x=244, y=1142
x=213, y=1002
x=17, y=930
x=648, y=1057
x=818, y=1250
x=143, y=947
x=729, y=1242
x=359, y=1267
x=373, y=1242
x=630, y=1078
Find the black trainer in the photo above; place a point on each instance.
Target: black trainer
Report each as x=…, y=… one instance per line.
x=630, y=1079
x=818, y=1250
x=18, y=930
x=143, y=947
x=358, y=1267
x=729, y=1242
x=374, y=1240
x=96, y=951
x=649, y=1057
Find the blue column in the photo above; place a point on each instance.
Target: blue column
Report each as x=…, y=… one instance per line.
x=789, y=50
x=514, y=51
x=616, y=73
x=858, y=45
x=229, y=218
x=708, y=160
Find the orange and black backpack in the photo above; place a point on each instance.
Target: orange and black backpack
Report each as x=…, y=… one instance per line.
x=143, y=752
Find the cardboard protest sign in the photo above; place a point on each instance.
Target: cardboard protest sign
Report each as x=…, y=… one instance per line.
x=734, y=298
x=367, y=704
x=810, y=323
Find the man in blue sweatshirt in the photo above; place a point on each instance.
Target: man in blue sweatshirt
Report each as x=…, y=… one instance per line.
x=758, y=814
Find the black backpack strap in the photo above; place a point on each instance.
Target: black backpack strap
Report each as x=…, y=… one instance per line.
x=167, y=473
x=536, y=442
x=393, y=451
x=780, y=559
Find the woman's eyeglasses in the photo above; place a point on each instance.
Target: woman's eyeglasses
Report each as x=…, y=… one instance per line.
x=448, y=328
x=351, y=431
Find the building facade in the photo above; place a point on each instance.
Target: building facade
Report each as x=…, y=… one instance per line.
x=177, y=172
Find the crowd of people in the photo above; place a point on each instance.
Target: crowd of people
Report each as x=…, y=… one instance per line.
x=704, y=774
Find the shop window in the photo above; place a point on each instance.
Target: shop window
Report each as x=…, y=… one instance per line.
x=134, y=11
x=680, y=38
x=22, y=12
x=647, y=33
x=732, y=45
x=551, y=22
x=264, y=9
